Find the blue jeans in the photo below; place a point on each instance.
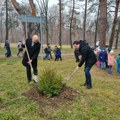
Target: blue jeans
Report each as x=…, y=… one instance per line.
x=118, y=68
x=88, y=76
x=102, y=65
x=47, y=56
x=110, y=70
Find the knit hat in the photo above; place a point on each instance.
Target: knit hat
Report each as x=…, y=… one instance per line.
x=112, y=51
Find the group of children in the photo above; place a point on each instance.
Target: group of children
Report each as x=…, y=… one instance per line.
x=106, y=59
x=57, y=52
x=47, y=51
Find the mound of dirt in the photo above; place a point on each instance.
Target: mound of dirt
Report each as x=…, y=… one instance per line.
x=66, y=96
x=2, y=106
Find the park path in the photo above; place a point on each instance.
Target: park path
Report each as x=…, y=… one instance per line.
x=40, y=55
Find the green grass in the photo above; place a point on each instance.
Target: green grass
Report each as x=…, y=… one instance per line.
x=100, y=103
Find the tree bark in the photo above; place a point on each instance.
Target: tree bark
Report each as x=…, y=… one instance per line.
x=71, y=23
x=117, y=36
x=21, y=12
x=84, y=24
x=7, y=30
x=60, y=17
x=33, y=7
x=96, y=23
x=114, y=24
x=103, y=23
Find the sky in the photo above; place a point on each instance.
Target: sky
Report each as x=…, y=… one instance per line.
x=51, y=2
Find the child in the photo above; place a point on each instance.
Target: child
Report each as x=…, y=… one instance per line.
x=20, y=48
x=111, y=61
x=118, y=63
x=47, y=53
x=58, y=52
x=103, y=58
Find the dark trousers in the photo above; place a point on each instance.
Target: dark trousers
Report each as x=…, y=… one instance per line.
x=28, y=70
x=19, y=51
x=51, y=55
x=88, y=81
x=47, y=56
x=57, y=57
x=109, y=69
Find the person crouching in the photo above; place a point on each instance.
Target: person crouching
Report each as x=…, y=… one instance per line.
x=33, y=46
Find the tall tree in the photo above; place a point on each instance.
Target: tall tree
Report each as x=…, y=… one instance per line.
x=117, y=36
x=96, y=25
x=85, y=17
x=7, y=32
x=71, y=22
x=103, y=22
x=21, y=11
x=43, y=6
x=60, y=22
x=114, y=24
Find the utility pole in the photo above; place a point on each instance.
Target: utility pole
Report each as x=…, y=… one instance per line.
x=6, y=38
x=60, y=22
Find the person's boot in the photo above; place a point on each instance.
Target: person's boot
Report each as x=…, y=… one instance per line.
x=35, y=78
x=88, y=86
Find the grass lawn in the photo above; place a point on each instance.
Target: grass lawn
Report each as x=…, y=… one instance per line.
x=100, y=103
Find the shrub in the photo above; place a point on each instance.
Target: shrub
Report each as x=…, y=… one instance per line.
x=50, y=83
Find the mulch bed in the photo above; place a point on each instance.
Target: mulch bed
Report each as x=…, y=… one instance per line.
x=66, y=96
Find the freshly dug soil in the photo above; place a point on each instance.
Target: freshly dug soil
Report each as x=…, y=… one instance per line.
x=66, y=96
x=2, y=106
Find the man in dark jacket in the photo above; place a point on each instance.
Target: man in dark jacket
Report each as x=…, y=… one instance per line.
x=88, y=57
x=33, y=46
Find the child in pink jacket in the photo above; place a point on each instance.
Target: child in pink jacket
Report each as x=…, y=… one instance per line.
x=111, y=61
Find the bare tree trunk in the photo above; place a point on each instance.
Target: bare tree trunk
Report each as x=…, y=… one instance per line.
x=117, y=36
x=114, y=24
x=47, y=33
x=7, y=30
x=71, y=23
x=21, y=12
x=103, y=22
x=84, y=24
x=96, y=23
x=60, y=31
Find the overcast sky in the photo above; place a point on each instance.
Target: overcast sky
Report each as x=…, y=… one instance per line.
x=51, y=2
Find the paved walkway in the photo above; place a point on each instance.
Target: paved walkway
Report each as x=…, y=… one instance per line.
x=2, y=56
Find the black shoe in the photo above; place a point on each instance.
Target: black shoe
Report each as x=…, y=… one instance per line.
x=88, y=86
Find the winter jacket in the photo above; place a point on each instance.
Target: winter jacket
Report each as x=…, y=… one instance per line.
x=88, y=55
x=33, y=52
x=118, y=61
x=103, y=56
x=58, y=51
x=111, y=60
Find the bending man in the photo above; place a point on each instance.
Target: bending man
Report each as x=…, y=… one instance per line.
x=88, y=57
